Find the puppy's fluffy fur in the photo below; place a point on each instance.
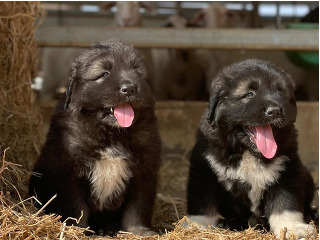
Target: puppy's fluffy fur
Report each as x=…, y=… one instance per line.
x=231, y=176
x=90, y=160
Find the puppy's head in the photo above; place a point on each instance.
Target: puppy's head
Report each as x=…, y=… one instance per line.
x=109, y=81
x=251, y=100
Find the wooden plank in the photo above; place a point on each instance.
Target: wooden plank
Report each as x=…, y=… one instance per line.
x=264, y=39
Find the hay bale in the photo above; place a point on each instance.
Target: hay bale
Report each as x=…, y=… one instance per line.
x=20, y=121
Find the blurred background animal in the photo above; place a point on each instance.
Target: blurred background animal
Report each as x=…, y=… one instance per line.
x=177, y=72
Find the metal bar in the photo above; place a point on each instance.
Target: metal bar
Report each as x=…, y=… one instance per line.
x=251, y=39
x=222, y=2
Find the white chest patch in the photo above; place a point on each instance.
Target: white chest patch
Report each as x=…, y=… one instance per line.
x=109, y=176
x=252, y=172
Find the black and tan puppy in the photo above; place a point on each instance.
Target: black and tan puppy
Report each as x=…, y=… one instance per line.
x=102, y=151
x=245, y=167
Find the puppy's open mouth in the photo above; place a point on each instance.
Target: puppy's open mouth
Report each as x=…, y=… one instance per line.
x=262, y=137
x=123, y=113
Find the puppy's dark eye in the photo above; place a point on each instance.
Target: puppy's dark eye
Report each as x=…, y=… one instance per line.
x=249, y=95
x=106, y=74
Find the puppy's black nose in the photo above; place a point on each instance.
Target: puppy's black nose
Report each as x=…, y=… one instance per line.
x=128, y=89
x=273, y=112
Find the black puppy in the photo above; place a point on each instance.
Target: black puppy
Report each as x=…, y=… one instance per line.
x=102, y=151
x=245, y=167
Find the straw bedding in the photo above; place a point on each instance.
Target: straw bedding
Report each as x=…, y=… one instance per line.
x=20, y=220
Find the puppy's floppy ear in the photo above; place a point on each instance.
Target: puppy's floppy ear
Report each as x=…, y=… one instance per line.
x=70, y=88
x=217, y=95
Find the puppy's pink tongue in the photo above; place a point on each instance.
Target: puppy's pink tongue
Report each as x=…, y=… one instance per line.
x=124, y=114
x=265, y=141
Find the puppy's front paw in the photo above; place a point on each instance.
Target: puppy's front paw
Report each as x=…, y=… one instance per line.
x=293, y=222
x=299, y=230
x=303, y=230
